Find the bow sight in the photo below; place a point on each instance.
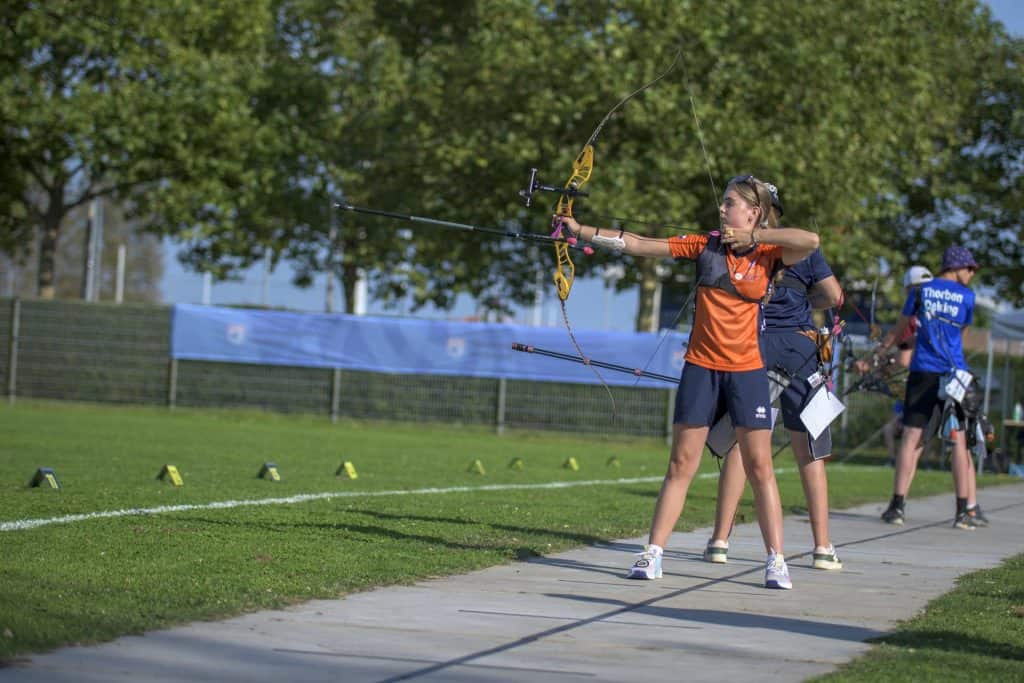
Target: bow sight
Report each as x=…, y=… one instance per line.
x=534, y=185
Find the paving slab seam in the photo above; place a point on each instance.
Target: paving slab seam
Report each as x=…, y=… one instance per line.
x=420, y=660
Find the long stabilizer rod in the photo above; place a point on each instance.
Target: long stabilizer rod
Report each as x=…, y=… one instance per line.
x=636, y=372
x=467, y=227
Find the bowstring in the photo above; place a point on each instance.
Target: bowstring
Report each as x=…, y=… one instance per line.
x=714, y=190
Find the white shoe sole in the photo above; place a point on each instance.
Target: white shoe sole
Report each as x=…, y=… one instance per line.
x=827, y=564
x=643, y=576
x=721, y=557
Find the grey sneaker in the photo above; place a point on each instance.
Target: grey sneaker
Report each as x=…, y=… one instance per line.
x=893, y=515
x=717, y=552
x=978, y=516
x=964, y=521
x=776, y=573
x=826, y=558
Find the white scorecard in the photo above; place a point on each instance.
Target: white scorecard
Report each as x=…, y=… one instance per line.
x=822, y=408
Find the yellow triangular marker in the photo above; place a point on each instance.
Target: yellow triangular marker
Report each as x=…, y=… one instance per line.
x=269, y=471
x=571, y=464
x=170, y=473
x=613, y=462
x=45, y=476
x=517, y=464
x=476, y=467
x=347, y=469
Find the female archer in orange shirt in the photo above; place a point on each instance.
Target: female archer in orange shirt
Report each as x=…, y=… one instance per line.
x=724, y=371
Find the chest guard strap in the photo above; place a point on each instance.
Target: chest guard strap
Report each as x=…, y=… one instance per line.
x=713, y=269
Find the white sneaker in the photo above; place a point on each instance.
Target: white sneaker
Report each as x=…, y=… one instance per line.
x=826, y=558
x=717, y=552
x=647, y=565
x=776, y=573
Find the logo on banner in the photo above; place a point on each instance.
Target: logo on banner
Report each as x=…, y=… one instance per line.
x=456, y=347
x=236, y=334
x=678, y=358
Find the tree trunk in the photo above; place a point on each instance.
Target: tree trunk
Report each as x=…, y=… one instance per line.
x=47, y=276
x=645, y=313
x=349, y=274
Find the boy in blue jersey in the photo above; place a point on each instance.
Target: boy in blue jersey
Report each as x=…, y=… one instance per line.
x=945, y=307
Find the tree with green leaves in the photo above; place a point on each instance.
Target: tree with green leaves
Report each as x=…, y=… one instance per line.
x=971, y=192
x=842, y=113
x=120, y=99
x=236, y=136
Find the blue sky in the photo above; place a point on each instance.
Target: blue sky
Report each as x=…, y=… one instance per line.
x=590, y=306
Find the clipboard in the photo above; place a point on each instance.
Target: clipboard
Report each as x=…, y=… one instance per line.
x=822, y=408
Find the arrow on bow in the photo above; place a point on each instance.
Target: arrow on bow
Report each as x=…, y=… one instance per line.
x=567, y=242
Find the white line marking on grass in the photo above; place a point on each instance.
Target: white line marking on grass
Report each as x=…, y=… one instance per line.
x=23, y=524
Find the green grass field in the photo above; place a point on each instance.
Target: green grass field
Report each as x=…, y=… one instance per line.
x=95, y=579
x=973, y=633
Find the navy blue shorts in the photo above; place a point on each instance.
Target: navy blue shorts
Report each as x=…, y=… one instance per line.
x=705, y=395
x=796, y=356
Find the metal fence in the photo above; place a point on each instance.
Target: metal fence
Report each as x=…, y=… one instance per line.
x=120, y=354
x=109, y=353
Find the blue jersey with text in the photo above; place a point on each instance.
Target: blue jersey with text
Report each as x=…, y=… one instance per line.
x=944, y=308
x=789, y=310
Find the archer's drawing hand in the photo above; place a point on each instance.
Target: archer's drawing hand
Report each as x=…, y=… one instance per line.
x=738, y=237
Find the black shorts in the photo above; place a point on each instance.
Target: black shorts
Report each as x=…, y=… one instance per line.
x=922, y=398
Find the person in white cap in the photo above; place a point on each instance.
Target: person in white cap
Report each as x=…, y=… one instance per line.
x=893, y=429
x=915, y=277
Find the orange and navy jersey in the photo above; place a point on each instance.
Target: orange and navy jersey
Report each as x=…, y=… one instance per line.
x=725, y=327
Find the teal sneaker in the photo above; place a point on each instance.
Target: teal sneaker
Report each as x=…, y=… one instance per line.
x=826, y=558
x=717, y=552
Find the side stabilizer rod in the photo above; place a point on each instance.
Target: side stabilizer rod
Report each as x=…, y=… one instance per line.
x=636, y=372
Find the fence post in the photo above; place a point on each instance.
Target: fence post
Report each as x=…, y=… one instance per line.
x=1006, y=391
x=122, y=256
x=172, y=384
x=670, y=414
x=500, y=416
x=12, y=357
x=335, y=393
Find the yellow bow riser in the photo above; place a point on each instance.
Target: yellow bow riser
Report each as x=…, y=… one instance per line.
x=565, y=270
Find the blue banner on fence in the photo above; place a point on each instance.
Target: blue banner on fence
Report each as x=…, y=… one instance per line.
x=420, y=347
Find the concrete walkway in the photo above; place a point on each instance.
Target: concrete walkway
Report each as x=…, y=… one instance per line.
x=573, y=617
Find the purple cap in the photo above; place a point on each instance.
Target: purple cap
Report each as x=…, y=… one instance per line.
x=957, y=257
